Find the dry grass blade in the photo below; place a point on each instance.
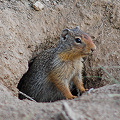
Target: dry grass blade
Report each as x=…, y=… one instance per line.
x=109, y=75
x=27, y=96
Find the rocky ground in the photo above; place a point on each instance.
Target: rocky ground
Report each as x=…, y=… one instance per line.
x=24, y=32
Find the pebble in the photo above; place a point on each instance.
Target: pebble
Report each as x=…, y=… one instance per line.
x=38, y=6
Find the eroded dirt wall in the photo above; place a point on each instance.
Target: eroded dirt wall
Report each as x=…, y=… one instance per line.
x=24, y=32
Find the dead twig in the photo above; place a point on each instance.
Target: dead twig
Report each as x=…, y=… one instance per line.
x=27, y=96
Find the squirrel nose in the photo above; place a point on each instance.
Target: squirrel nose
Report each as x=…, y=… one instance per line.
x=94, y=48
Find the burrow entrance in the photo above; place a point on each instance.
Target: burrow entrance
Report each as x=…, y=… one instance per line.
x=93, y=80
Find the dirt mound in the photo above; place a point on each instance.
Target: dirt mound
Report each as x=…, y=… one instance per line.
x=102, y=103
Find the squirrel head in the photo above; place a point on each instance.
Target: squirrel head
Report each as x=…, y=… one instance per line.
x=75, y=43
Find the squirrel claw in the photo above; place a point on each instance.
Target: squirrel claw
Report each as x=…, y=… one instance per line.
x=84, y=90
x=72, y=97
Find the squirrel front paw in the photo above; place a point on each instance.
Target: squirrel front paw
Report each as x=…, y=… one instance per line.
x=71, y=97
x=82, y=89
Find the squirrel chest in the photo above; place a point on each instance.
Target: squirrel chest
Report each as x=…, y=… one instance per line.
x=66, y=70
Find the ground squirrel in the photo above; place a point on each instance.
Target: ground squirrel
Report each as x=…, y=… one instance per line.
x=51, y=73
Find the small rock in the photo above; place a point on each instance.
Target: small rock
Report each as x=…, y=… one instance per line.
x=59, y=7
x=20, y=51
x=38, y=6
x=78, y=5
x=1, y=1
x=54, y=3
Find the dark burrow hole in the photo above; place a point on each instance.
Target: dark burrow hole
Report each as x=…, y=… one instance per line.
x=92, y=82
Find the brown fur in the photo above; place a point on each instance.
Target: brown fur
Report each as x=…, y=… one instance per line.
x=50, y=76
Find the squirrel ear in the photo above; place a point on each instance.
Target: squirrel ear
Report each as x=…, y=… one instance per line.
x=64, y=33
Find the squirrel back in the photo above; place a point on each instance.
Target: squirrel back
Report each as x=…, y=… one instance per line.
x=54, y=71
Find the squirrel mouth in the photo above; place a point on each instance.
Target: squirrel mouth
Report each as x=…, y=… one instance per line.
x=86, y=53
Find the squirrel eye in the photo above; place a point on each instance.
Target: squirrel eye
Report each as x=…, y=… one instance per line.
x=78, y=40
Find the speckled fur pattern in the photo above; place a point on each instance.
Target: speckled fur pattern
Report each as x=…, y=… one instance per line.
x=50, y=76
